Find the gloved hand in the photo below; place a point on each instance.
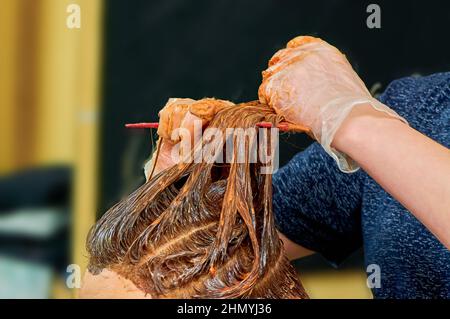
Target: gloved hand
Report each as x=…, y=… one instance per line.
x=180, y=113
x=311, y=83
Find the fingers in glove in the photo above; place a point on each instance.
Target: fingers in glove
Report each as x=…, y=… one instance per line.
x=171, y=115
x=207, y=108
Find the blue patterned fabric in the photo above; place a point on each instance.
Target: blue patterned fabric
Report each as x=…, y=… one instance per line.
x=332, y=213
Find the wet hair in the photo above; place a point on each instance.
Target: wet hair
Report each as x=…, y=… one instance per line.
x=201, y=230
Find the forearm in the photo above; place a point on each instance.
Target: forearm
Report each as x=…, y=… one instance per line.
x=414, y=169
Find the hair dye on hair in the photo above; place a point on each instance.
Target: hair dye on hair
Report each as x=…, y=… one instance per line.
x=201, y=230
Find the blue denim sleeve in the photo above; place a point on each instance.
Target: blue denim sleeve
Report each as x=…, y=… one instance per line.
x=317, y=206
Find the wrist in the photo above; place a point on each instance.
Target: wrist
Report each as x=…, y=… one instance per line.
x=361, y=127
x=161, y=158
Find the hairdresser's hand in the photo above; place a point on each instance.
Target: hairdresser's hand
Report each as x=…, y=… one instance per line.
x=184, y=114
x=311, y=83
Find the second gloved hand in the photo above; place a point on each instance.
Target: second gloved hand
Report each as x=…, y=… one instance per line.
x=180, y=113
x=311, y=83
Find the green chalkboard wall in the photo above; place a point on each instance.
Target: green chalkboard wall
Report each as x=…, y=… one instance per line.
x=173, y=48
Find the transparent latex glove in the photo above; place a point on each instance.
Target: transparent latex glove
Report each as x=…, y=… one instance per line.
x=311, y=83
x=180, y=113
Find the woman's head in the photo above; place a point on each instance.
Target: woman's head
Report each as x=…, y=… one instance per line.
x=202, y=228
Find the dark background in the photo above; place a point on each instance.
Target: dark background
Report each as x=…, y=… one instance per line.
x=172, y=48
